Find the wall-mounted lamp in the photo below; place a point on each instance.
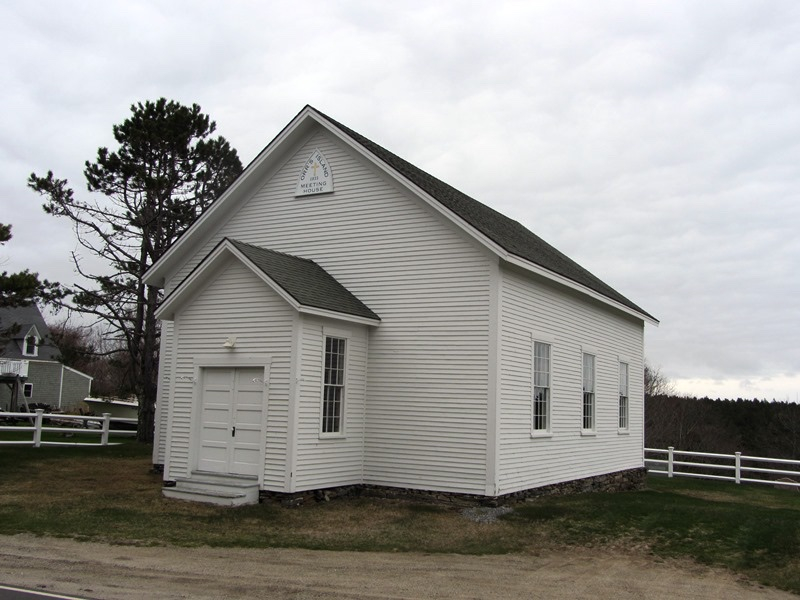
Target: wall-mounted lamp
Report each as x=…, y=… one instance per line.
x=230, y=342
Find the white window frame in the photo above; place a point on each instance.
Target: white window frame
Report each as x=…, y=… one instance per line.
x=588, y=396
x=326, y=386
x=624, y=414
x=27, y=390
x=539, y=429
x=30, y=335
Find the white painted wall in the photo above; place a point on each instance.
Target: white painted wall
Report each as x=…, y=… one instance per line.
x=234, y=303
x=327, y=460
x=533, y=308
x=163, y=395
x=428, y=361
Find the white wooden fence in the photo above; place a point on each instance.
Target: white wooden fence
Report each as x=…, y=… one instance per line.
x=739, y=468
x=102, y=427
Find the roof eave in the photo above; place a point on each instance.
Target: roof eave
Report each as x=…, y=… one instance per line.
x=157, y=274
x=567, y=282
x=174, y=301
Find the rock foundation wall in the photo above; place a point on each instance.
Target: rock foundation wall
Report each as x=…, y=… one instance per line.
x=619, y=481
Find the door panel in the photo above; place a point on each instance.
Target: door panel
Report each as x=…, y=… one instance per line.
x=231, y=436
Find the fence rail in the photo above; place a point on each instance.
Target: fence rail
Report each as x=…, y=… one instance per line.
x=37, y=427
x=737, y=465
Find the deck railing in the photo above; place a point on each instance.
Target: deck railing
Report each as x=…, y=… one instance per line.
x=102, y=427
x=18, y=368
x=739, y=468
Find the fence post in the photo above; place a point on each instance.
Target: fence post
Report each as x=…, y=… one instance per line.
x=738, y=467
x=37, y=432
x=669, y=461
x=106, y=426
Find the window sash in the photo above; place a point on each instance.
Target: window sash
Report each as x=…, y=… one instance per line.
x=333, y=387
x=30, y=346
x=588, y=414
x=623, y=395
x=541, y=386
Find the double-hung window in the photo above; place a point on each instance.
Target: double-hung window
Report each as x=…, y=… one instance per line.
x=589, y=401
x=541, y=387
x=623, y=395
x=333, y=388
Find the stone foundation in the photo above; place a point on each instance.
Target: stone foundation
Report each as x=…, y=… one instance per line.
x=619, y=481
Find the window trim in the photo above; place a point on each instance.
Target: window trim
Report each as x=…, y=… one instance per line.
x=592, y=429
x=345, y=337
x=27, y=387
x=545, y=431
x=627, y=398
x=32, y=333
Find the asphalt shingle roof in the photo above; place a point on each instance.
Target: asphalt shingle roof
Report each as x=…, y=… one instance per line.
x=304, y=280
x=507, y=233
x=22, y=318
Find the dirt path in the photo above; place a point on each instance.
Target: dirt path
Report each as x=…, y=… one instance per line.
x=127, y=572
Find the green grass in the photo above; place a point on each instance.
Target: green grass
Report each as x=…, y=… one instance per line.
x=109, y=494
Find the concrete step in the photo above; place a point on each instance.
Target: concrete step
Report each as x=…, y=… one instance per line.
x=215, y=488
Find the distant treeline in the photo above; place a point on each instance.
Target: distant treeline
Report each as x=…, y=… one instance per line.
x=752, y=427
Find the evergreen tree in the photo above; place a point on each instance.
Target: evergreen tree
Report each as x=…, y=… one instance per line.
x=24, y=287
x=167, y=170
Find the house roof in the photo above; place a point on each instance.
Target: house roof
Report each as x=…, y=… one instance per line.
x=22, y=318
x=507, y=237
x=300, y=281
x=305, y=281
x=504, y=231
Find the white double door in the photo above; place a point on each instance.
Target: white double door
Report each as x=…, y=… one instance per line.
x=231, y=420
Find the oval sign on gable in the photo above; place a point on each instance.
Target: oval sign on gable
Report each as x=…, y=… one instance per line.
x=315, y=177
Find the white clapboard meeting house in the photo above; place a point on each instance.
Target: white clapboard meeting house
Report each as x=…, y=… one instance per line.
x=341, y=320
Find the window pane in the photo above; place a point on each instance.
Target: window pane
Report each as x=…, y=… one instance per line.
x=333, y=389
x=623, y=379
x=541, y=386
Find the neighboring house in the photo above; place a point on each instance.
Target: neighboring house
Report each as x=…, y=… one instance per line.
x=30, y=371
x=339, y=317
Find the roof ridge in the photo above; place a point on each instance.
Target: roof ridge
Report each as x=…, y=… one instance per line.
x=508, y=233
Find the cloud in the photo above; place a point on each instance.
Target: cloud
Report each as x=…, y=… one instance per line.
x=654, y=143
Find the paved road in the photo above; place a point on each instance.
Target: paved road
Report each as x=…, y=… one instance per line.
x=12, y=593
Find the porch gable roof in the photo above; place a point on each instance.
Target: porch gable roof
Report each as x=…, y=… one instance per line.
x=305, y=285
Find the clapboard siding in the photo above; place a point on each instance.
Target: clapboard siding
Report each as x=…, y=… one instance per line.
x=164, y=393
x=325, y=460
x=236, y=303
x=429, y=283
x=533, y=308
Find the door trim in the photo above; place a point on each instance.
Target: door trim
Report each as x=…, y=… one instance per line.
x=226, y=360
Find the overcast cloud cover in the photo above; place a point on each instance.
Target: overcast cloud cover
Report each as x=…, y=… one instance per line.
x=656, y=143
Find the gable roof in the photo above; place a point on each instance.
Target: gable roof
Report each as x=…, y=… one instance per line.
x=303, y=283
x=508, y=238
x=23, y=319
x=509, y=234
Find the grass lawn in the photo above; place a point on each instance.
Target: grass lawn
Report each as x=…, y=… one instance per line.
x=108, y=494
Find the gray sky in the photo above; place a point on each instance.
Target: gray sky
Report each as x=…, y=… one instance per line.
x=656, y=143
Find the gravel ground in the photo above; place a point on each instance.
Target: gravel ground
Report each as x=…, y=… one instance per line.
x=94, y=570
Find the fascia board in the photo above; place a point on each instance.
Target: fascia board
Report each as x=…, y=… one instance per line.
x=331, y=314
x=156, y=274
x=493, y=246
x=292, y=301
x=167, y=309
x=413, y=188
x=565, y=281
x=224, y=250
